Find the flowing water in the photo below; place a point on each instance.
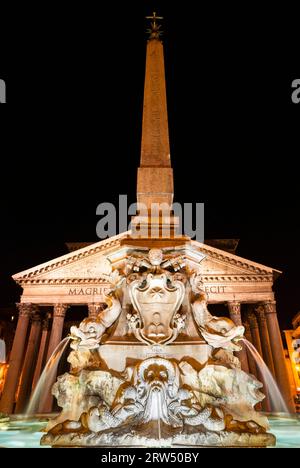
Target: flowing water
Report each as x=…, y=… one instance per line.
x=277, y=401
x=158, y=400
x=26, y=431
x=42, y=389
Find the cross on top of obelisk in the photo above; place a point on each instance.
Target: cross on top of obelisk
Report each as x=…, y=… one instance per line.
x=154, y=31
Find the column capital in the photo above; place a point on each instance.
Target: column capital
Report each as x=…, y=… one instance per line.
x=95, y=308
x=36, y=317
x=46, y=322
x=234, y=307
x=247, y=326
x=260, y=312
x=25, y=309
x=59, y=310
x=269, y=307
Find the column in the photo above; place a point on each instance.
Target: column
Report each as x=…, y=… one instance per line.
x=278, y=353
x=29, y=362
x=251, y=362
x=255, y=332
x=254, y=329
x=16, y=359
x=264, y=338
x=42, y=352
x=235, y=315
x=95, y=309
x=59, y=312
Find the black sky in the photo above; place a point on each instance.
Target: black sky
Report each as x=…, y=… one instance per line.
x=70, y=131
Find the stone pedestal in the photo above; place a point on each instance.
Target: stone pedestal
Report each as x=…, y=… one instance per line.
x=235, y=315
x=190, y=438
x=278, y=353
x=16, y=359
x=118, y=356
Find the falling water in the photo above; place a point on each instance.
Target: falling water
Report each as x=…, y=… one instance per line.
x=40, y=392
x=158, y=401
x=277, y=401
x=75, y=412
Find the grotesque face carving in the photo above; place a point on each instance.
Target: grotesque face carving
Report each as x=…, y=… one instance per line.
x=197, y=283
x=156, y=375
x=155, y=257
x=87, y=335
x=157, y=299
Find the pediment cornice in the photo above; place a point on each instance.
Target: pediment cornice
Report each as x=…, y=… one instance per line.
x=104, y=246
x=225, y=258
x=225, y=266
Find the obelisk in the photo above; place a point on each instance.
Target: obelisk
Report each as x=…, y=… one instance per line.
x=155, y=222
x=155, y=174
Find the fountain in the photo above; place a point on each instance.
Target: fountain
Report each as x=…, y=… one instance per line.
x=139, y=378
x=155, y=368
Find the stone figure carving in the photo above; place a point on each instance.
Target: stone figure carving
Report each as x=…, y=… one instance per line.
x=86, y=338
x=218, y=332
x=90, y=331
x=155, y=395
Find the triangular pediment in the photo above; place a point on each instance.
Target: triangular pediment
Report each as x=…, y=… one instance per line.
x=96, y=261
x=220, y=262
x=91, y=262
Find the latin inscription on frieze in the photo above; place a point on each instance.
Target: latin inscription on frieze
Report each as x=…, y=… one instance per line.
x=87, y=291
x=215, y=289
x=92, y=291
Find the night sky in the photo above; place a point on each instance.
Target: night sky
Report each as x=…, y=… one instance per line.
x=70, y=131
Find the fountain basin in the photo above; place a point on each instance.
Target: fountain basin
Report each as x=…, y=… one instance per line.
x=26, y=433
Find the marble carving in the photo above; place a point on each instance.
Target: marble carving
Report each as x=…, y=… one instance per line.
x=159, y=399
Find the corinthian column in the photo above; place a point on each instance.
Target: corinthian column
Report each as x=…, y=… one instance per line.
x=251, y=362
x=254, y=329
x=234, y=308
x=59, y=312
x=278, y=353
x=16, y=359
x=42, y=352
x=95, y=309
x=29, y=362
x=255, y=332
x=264, y=338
